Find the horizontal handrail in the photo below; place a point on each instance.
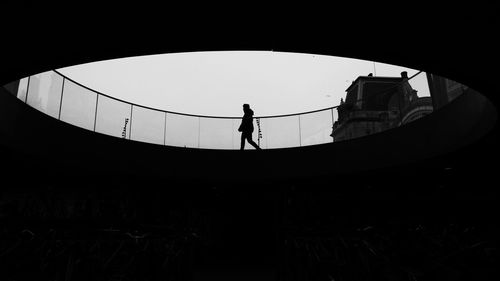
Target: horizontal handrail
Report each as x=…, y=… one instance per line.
x=186, y=114
x=219, y=117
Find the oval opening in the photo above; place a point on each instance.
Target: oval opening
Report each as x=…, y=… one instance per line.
x=195, y=99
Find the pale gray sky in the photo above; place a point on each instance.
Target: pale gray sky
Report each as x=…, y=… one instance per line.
x=218, y=83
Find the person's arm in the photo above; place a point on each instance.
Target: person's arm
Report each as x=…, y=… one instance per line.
x=240, y=128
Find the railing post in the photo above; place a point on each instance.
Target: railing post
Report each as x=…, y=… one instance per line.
x=130, y=129
x=199, y=122
x=27, y=90
x=60, y=102
x=259, y=132
x=333, y=121
x=300, y=133
x=165, y=130
x=95, y=115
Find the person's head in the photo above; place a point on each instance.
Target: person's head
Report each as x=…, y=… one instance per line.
x=246, y=108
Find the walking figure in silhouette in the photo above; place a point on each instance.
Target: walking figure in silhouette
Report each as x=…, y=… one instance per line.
x=246, y=127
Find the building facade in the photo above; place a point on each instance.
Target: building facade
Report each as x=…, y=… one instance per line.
x=375, y=104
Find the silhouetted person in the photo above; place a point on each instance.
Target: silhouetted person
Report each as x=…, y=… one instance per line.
x=246, y=127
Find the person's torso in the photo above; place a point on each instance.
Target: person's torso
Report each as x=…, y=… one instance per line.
x=247, y=122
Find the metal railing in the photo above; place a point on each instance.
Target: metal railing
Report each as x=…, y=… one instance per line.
x=67, y=100
x=71, y=102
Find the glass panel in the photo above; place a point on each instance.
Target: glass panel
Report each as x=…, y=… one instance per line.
x=280, y=132
x=236, y=135
x=182, y=130
x=113, y=117
x=23, y=89
x=316, y=127
x=148, y=125
x=44, y=92
x=216, y=133
x=78, y=105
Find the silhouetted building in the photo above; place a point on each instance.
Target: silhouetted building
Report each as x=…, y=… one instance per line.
x=417, y=109
x=443, y=90
x=374, y=104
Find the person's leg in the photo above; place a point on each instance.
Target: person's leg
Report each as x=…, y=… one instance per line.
x=250, y=141
x=242, y=141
